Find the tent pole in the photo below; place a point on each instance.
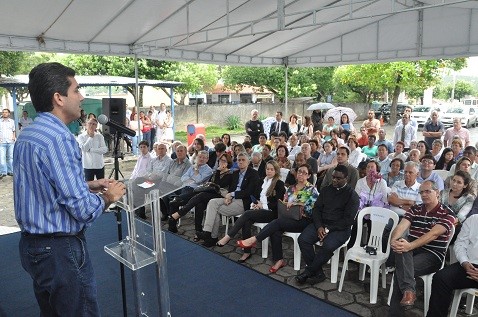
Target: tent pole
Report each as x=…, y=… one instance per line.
x=171, y=93
x=286, y=88
x=16, y=115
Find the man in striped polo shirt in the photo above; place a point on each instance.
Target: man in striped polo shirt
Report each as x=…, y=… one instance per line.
x=423, y=250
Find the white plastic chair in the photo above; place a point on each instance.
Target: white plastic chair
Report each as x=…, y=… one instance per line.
x=442, y=173
x=297, y=254
x=334, y=261
x=427, y=281
x=470, y=300
x=226, y=220
x=379, y=219
x=265, y=242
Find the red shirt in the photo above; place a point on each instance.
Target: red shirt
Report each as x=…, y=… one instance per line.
x=362, y=141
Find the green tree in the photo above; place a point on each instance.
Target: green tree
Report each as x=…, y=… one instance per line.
x=463, y=89
x=363, y=80
x=313, y=81
x=17, y=63
x=395, y=77
x=93, y=65
x=197, y=78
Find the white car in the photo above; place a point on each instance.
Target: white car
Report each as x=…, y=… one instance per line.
x=421, y=114
x=468, y=116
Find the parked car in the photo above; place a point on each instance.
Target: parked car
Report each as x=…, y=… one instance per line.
x=468, y=116
x=385, y=111
x=421, y=114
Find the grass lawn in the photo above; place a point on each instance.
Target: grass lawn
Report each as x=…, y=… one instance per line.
x=211, y=131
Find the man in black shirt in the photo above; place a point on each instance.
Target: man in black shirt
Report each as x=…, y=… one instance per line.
x=333, y=215
x=254, y=127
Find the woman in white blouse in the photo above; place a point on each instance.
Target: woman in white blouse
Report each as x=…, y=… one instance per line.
x=356, y=156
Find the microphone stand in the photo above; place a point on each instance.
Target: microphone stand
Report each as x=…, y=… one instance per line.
x=117, y=155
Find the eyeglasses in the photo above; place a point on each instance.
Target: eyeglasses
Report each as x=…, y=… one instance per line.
x=427, y=162
x=425, y=191
x=301, y=172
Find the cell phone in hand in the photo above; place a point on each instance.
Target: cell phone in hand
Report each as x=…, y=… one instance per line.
x=254, y=200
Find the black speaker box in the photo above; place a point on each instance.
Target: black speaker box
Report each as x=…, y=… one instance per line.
x=115, y=110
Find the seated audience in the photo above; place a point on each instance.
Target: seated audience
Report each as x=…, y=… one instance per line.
x=413, y=156
x=457, y=147
x=245, y=183
x=396, y=172
x=422, y=146
x=383, y=159
x=404, y=194
x=263, y=210
x=281, y=157
x=342, y=159
x=303, y=194
x=423, y=249
x=262, y=141
x=258, y=164
x=371, y=150
x=160, y=164
x=399, y=147
x=464, y=164
x=193, y=151
x=446, y=160
x=437, y=147
x=142, y=167
x=333, y=215
x=427, y=165
x=356, y=156
x=372, y=189
x=222, y=177
x=459, y=275
x=469, y=152
x=314, y=148
x=458, y=198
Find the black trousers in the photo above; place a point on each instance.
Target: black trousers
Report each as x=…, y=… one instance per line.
x=247, y=219
x=274, y=230
x=444, y=283
x=91, y=173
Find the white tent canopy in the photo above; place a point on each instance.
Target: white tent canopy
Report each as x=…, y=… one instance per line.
x=246, y=32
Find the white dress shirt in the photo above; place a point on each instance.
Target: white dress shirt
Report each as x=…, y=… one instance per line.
x=466, y=244
x=92, y=150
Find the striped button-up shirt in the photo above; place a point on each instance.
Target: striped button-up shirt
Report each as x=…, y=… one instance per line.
x=49, y=188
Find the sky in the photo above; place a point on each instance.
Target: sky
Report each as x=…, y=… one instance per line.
x=471, y=69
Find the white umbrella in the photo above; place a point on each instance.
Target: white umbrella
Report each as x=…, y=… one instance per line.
x=321, y=106
x=337, y=112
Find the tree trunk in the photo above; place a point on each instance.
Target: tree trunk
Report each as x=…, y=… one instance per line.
x=396, y=93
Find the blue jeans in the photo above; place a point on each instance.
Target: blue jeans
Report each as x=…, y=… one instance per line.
x=134, y=144
x=63, y=277
x=6, y=158
x=315, y=257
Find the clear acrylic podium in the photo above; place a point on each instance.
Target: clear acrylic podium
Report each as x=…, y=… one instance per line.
x=145, y=244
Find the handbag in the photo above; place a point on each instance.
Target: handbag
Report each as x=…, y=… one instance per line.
x=207, y=188
x=295, y=212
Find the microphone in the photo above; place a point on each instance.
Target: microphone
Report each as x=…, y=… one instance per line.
x=103, y=119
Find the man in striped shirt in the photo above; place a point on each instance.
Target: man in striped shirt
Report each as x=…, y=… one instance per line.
x=421, y=252
x=53, y=202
